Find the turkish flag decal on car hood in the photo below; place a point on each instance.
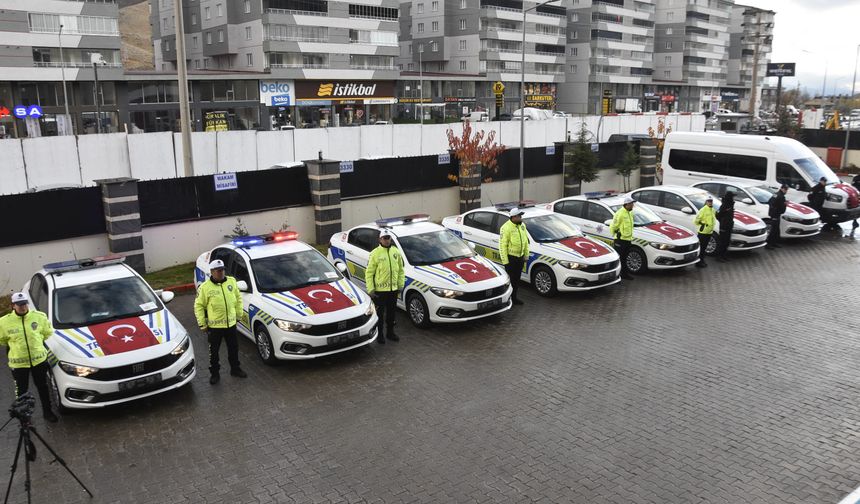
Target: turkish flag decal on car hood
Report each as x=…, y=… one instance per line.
x=745, y=218
x=323, y=298
x=669, y=231
x=798, y=207
x=124, y=335
x=585, y=246
x=469, y=270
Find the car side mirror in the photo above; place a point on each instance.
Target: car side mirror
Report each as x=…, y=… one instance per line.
x=748, y=201
x=608, y=222
x=341, y=267
x=688, y=210
x=242, y=285
x=167, y=296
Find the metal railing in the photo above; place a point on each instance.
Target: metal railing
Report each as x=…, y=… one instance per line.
x=545, y=53
x=73, y=64
x=288, y=38
x=300, y=12
x=299, y=65
x=71, y=31
x=373, y=67
x=377, y=18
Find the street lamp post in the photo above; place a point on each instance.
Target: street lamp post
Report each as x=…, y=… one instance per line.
x=96, y=58
x=848, y=128
x=421, y=83
x=68, y=120
x=522, y=94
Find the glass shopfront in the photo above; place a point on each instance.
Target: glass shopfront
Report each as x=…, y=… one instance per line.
x=321, y=104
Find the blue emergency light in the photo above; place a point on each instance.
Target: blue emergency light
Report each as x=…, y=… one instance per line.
x=405, y=219
x=601, y=194
x=79, y=264
x=250, y=241
x=511, y=204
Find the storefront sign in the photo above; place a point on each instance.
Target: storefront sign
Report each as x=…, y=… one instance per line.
x=225, y=181
x=780, y=69
x=540, y=101
x=313, y=103
x=215, y=121
x=277, y=93
x=444, y=158
x=413, y=100
x=667, y=98
x=730, y=96
x=4, y=112
x=344, y=90
x=459, y=99
x=380, y=101
x=21, y=112
x=346, y=167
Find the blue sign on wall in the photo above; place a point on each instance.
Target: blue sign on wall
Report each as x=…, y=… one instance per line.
x=22, y=112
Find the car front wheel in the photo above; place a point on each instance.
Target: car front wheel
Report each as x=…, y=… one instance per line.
x=418, y=312
x=543, y=280
x=264, y=345
x=54, y=390
x=636, y=261
x=711, y=248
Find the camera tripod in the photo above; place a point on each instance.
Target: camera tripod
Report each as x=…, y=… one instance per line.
x=24, y=440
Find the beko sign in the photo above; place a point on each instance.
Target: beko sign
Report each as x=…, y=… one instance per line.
x=277, y=93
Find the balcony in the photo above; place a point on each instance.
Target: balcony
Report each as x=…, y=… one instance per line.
x=73, y=64
x=299, y=65
x=294, y=11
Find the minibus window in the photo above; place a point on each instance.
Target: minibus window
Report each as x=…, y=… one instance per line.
x=786, y=174
x=815, y=169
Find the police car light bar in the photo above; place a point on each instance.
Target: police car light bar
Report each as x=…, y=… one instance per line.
x=406, y=219
x=601, y=194
x=512, y=204
x=78, y=264
x=250, y=241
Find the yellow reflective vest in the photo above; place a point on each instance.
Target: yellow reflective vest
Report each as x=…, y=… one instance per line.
x=385, y=270
x=25, y=333
x=218, y=305
x=622, y=223
x=705, y=220
x=513, y=240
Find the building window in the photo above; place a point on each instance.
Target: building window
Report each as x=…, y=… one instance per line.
x=668, y=60
x=410, y=66
x=435, y=26
x=218, y=10
x=421, y=8
x=574, y=51
x=167, y=46
x=574, y=35
x=434, y=46
x=248, y=35
x=410, y=49
x=220, y=36
x=164, y=24
x=194, y=18
x=462, y=45
x=668, y=31
x=207, y=12
x=373, y=12
x=573, y=69
x=194, y=42
x=574, y=17
x=462, y=64
x=434, y=5
x=208, y=38
x=197, y=64
x=247, y=8
x=668, y=44
x=462, y=4
x=249, y=59
x=462, y=24
x=670, y=16
x=420, y=27
x=667, y=73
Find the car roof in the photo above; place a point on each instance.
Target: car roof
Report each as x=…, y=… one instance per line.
x=89, y=275
x=529, y=211
x=606, y=200
x=683, y=190
x=736, y=183
x=408, y=228
x=271, y=249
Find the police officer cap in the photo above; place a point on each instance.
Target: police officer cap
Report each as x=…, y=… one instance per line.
x=385, y=232
x=216, y=264
x=823, y=179
x=709, y=198
x=628, y=200
x=516, y=211
x=19, y=298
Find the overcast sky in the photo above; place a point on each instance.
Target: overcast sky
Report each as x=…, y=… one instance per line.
x=828, y=29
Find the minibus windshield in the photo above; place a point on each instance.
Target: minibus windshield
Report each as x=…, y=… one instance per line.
x=814, y=168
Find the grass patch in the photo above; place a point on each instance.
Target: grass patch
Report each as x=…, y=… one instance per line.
x=169, y=277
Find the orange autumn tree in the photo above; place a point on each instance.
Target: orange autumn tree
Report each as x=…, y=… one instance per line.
x=658, y=138
x=478, y=155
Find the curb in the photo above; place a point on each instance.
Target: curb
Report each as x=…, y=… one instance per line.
x=180, y=289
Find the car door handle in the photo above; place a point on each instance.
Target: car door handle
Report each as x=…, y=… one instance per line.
x=467, y=233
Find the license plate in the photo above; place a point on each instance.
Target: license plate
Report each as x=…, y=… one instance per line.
x=606, y=276
x=490, y=304
x=690, y=256
x=343, y=338
x=140, y=382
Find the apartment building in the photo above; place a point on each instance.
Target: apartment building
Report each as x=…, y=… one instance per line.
x=460, y=48
x=749, y=26
x=32, y=69
x=300, y=46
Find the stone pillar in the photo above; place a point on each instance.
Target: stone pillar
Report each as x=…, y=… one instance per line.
x=572, y=185
x=470, y=187
x=324, y=176
x=122, y=217
x=647, y=163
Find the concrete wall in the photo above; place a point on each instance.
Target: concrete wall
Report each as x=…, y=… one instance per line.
x=69, y=160
x=19, y=263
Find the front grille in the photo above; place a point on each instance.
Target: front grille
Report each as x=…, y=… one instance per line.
x=808, y=222
x=685, y=248
x=600, y=268
x=125, y=394
x=755, y=232
x=337, y=327
x=136, y=369
x=483, y=294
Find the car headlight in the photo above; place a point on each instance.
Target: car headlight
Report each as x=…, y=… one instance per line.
x=75, y=370
x=286, y=325
x=661, y=246
x=834, y=198
x=446, y=293
x=182, y=347
x=571, y=265
x=791, y=219
x=370, y=310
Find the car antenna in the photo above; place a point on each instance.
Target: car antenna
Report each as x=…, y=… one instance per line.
x=74, y=254
x=377, y=211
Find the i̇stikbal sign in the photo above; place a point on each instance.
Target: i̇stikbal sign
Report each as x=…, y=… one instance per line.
x=377, y=91
x=277, y=93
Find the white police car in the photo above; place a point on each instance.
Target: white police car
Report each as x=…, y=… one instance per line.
x=299, y=306
x=561, y=258
x=113, y=341
x=680, y=204
x=656, y=243
x=798, y=221
x=445, y=280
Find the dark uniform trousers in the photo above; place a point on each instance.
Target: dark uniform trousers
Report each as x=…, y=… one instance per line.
x=723, y=241
x=229, y=336
x=704, y=239
x=40, y=378
x=773, y=237
x=514, y=269
x=386, y=303
x=623, y=248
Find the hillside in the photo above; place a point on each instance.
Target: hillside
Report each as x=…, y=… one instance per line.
x=136, y=34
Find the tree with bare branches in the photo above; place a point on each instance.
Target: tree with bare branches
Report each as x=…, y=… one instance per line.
x=478, y=155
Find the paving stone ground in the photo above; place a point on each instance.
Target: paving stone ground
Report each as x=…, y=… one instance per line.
x=735, y=384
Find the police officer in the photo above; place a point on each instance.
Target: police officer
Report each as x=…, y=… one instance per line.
x=218, y=307
x=776, y=207
x=818, y=194
x=622, y=230
x=705, y=221
x=385, y=279
x=514, y=249
x=24, y=331
x=726, y=218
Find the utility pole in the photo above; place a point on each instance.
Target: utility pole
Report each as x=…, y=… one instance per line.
x=96, y=94
x=184, y=109
x=752, y=107
x=68, y=120
x=848, y=127
x=421, y=83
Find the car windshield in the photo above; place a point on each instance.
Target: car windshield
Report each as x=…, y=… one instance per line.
x=549, y=228
x=762, y=194
x=814, y=168
x=291, y=271
x=698, y=200
x=433, y=248
x=641, y=216
x=98, y=302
